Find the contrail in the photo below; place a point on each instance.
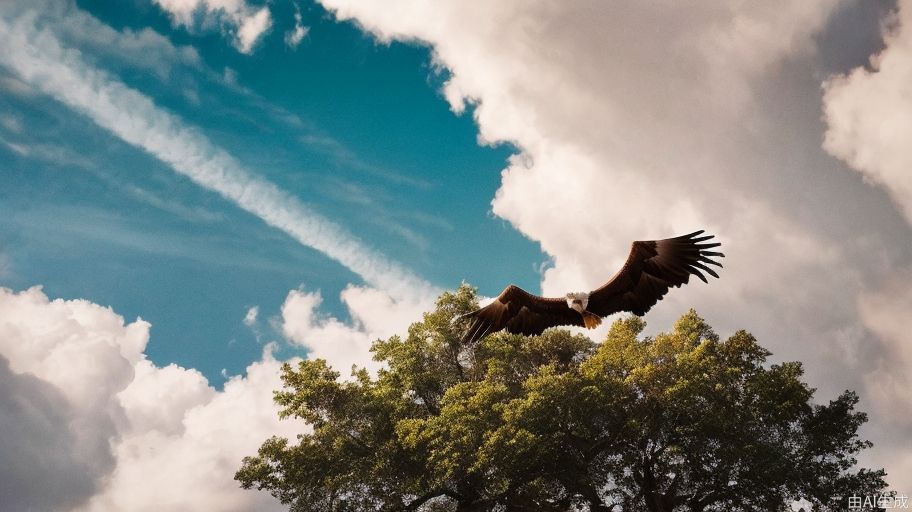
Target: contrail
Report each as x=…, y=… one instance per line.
x=37, y=57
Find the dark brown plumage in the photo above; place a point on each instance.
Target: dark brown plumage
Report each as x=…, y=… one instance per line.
x=651, y=269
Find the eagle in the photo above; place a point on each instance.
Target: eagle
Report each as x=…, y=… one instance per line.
x=652, y=267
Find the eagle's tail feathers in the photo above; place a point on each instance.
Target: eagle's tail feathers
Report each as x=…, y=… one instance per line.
x=591, y=320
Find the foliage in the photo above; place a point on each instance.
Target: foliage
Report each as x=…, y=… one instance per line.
x=556, y=422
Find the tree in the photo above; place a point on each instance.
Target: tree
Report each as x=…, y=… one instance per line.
x=682, y=421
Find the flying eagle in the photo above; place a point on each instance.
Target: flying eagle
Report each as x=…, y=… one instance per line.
x=651, y=269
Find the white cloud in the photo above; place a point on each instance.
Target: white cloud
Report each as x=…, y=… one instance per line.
x=643, y=120
x=251, y=28
x=143, y=49
x=869, y=114
x=251, y=317
x=244, y=22
x=111, y=430
x=374, y=314
x=38, y=58
x=16, y=87
x=38, y=448
x=294, y=36
x=157, y=398
x=182, y=455
x=83, y=349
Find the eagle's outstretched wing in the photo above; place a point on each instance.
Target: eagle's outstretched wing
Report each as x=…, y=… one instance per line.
x=519, y=312
x=651, y=269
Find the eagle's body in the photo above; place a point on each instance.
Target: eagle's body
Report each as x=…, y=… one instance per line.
x=651, y=269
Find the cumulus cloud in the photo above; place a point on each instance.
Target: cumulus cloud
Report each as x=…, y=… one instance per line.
x=38, y=58
x=644, y=120
x=183, y=455
x=84, y=409
x=81, y=349
x=242, y=21
x=38, y=447
x=374, y=315
x=869, y=114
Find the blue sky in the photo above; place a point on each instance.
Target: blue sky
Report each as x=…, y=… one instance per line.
x=354, y=128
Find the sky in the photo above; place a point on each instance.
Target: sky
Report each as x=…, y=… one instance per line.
x=194, y=191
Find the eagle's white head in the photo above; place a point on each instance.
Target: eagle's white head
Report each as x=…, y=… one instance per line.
x=578, y=301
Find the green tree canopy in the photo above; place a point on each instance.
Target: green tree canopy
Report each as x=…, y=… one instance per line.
x=556, y=422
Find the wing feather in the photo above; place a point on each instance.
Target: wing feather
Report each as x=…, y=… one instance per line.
x=519, y=312
x=651, y=269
